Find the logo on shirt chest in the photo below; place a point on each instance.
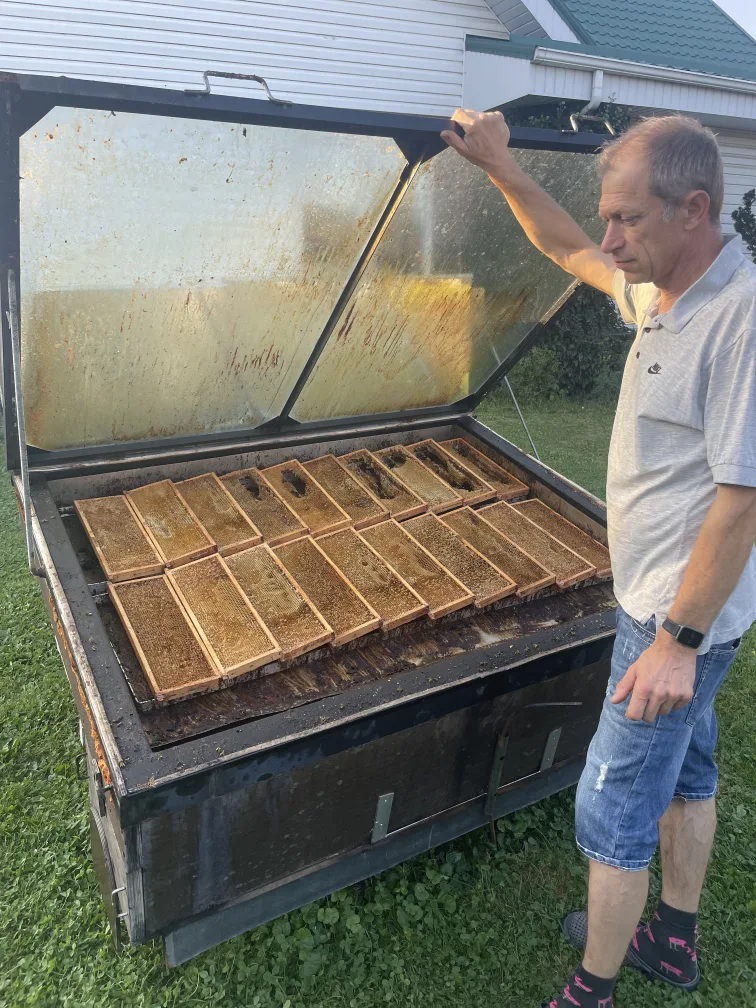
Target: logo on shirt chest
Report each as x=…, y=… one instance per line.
x=654, y=369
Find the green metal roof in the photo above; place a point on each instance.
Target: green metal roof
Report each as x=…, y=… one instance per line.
x=524, y=47
x=661, y=31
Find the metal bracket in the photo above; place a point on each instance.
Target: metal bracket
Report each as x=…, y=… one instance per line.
x=382, y=816
x=547, y=760
x=237, y=76
x=18, y=392
x=502, y=744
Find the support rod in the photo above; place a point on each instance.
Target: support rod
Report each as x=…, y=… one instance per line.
x=522, y=418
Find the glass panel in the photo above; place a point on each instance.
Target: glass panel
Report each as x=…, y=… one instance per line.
x=451, y=290
x=175, y=273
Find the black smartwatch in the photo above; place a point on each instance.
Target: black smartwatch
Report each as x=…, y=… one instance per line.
x=684, y=635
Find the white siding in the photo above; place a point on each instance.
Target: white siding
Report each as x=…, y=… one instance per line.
x=739, y=156
x=374, y=54
x=518, y=18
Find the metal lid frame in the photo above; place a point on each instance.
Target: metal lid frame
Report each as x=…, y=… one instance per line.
x=25, y=99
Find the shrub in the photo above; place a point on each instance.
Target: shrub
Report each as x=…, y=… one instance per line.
x=581, y=353
x=745, y=221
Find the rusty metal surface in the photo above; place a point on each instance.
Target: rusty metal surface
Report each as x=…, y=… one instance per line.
x=192, y=305
x=452, y=288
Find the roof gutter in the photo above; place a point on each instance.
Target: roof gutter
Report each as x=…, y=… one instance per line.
x=567, y=60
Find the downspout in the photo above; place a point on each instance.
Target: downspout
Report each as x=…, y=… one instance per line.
x=597, y=96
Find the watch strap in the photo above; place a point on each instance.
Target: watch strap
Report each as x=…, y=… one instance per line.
x=684, y=635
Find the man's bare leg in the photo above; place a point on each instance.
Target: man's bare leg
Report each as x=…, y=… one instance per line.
x=616, y=900
x=686, y=837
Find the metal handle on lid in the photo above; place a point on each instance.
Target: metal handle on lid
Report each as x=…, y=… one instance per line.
x=237, y=76
x=577, y=116
x=13, y=323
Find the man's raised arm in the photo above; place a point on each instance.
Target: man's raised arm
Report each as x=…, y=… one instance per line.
x=547, y=225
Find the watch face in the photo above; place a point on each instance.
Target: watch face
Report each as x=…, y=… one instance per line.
x=690, y=638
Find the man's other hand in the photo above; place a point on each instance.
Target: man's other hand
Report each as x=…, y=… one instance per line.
x=661, y=681
x=486, y=139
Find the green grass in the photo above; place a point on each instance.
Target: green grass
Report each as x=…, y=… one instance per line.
x=571, y=437
x=464, y=925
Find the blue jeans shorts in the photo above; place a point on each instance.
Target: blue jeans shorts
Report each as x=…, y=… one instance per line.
x=635, y=769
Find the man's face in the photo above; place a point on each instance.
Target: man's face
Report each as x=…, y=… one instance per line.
x=643, y=245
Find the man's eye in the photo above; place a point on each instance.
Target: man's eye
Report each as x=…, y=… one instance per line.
x=630, y=220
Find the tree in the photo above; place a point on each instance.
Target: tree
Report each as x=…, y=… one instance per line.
x=745, y=221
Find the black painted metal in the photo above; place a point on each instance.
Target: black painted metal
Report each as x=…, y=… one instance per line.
x=9, y=256
x=136, y=455
x=387, y=717
x=198, y=934
x=42, y=93
x=106, y=880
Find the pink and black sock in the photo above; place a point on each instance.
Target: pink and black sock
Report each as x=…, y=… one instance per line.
x=585, y=990
x=668, y=943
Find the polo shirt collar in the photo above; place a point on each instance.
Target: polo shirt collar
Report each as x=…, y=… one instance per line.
x=716, y=277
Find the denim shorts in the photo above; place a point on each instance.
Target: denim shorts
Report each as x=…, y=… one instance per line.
x=635, y=769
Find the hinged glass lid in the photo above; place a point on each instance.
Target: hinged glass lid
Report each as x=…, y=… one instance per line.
x=453, y=288
x=200, y=266
x=176, y=273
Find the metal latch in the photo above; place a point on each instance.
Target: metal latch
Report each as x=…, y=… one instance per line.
x=382, y=816
x=237, y=76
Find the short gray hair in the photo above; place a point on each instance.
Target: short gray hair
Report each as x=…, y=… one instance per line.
x=683, y=156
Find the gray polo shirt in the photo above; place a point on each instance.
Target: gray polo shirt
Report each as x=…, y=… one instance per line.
x=686, y=421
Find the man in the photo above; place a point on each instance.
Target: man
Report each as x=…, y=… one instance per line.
x=681, y=497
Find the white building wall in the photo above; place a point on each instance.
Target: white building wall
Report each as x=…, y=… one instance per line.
x=496, y=80
x=378, y=54
x=739, y=156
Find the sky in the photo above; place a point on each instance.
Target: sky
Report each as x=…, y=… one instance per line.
x=742, y=11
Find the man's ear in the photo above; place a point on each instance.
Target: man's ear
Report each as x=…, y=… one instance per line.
x=696, y=209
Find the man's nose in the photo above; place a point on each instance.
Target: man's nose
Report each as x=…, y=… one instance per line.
x=614, y=238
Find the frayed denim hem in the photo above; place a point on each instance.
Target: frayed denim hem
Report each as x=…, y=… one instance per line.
x=629, y=866
x=694, y=797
